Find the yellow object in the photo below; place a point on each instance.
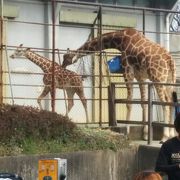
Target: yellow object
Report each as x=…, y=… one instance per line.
x=52, y=169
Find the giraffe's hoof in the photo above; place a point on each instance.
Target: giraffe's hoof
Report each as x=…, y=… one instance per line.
x=145, y=137
x=171, y=134
x=165, y=138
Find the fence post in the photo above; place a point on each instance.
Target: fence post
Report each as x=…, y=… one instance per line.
x=111, y=105
x=100, y=63
x=1, y=50
x=53, y=95
x=150, y=113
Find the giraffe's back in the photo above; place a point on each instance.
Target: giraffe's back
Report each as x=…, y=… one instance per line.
x=63, y=78
x=153, y=61
x=69, y=78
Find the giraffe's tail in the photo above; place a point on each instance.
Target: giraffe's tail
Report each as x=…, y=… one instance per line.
x=175, y=100
x=174, y=93
x=174, y=96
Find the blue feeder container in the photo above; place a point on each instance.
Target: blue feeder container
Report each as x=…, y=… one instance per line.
x=115, y=65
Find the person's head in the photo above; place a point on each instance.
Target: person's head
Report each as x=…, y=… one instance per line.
x=177, y=123
x=147, y=175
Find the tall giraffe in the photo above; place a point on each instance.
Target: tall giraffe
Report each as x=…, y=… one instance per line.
x=141, y=59
x=69, y=80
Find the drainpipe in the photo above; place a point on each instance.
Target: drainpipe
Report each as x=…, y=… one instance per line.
x=53, y=96
x=167, y=31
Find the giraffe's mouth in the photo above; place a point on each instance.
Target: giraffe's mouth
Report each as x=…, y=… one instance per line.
x=65, y=63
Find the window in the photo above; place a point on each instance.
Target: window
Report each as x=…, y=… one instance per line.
x=175, y=23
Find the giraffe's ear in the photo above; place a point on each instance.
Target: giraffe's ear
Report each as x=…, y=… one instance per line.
x=27, y=49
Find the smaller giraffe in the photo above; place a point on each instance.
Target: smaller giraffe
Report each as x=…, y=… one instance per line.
x=69, y=80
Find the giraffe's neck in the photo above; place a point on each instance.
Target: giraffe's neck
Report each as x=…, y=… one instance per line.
x=94, y=45
x=41, y=61
x=117, y=40
x=126, y=40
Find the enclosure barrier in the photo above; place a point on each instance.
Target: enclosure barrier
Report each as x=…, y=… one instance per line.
x=112, y=101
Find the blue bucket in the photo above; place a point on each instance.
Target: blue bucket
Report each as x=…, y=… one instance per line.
x=115, y=65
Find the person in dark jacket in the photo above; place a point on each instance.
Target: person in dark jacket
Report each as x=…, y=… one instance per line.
x=168, y=160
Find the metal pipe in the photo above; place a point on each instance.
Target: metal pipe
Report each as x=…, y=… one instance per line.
x=53, y=94
x=115, y=6
x=63, y=86
x=9, y=74
x=104, y=99
x=100, y=64
x=144, y=26
x=79, y=26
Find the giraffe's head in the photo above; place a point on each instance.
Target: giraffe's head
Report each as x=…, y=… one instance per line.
x=69, y=58
x=19, y=52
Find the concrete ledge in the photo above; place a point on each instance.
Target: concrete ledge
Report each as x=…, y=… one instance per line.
x=94, y=165
x=136, y=132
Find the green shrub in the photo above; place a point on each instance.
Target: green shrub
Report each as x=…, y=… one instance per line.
x=22, y=122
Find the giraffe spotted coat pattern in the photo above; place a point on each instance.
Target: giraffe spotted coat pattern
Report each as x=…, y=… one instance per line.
x=141, y=59
x=69, y=80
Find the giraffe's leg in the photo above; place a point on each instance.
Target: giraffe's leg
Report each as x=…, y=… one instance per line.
x=53, y=95
x=163, y=96
x=166, y=134
x=80, y=93
x=129, y=106
x=70, y=94
x=144, y=110
x=43, y=94
x=128, y=77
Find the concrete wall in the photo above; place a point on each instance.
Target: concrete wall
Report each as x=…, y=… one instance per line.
x=147, y=157
x=88, y=165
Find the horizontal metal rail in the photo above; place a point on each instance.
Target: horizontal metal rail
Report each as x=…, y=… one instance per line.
x=31, y=98
x=132, y=122
x=154, y=123
x=161, y=124
x=124, y=101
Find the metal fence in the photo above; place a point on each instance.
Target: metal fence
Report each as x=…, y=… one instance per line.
x=32, y=78
x=151, y=102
